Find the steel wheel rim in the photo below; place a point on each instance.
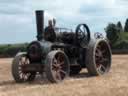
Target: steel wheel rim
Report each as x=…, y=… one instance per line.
x=23, y=75
x=102, y=58
x=59, y=69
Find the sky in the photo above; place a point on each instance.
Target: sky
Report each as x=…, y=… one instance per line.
x=17, y=17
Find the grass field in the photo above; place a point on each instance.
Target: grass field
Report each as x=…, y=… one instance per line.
x=115, y=83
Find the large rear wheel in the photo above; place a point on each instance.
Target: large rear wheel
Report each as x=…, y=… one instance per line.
x=98, y=57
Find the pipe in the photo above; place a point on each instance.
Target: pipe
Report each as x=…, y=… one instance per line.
x=40, y=24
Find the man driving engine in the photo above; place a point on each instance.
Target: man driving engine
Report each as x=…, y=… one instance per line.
x=49, y=33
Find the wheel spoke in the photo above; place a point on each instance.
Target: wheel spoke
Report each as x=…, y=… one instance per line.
x=103, y=51
x=19, y=68
x=80, y=30
x=58, y=75
x=58, y=60
x=105, y=59
x=20, y=71
x=26, y=61
x=54, y=65
x=55, y=61
x=99, y=48
x=101, y=68
x=97, y=54
x=84, y=30
x=61, y=63
x=63, y=72
x=98, y=64
x=24, y=77
x=21, y=75
x=21, y=61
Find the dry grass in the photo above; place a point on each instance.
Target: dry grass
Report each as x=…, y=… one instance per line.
x=115, y=83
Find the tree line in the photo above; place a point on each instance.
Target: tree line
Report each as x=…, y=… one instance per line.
x=118, y=35
x=10, y=50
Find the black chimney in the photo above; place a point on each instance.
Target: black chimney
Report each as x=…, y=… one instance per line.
x=40, y=24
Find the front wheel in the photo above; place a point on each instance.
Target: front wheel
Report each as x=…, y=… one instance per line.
x=18, y=71
x=98, y=57
x=57, y=66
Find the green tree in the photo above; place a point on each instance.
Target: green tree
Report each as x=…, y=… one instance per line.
x=126, y=26
x=112, y=32
x=119, y=27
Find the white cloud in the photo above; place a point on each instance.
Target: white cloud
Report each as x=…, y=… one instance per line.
x=18, y=19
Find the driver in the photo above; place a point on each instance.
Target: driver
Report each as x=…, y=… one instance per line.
x=49, y=33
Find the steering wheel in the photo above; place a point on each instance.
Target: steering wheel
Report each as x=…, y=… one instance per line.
x=82, y=35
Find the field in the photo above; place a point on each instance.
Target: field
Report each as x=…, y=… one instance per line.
x=115, y=83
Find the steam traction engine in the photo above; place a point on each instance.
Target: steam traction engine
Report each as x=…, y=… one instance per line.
x=59, y=52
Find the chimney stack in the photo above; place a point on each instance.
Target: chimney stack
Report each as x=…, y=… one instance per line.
x=40, y=24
